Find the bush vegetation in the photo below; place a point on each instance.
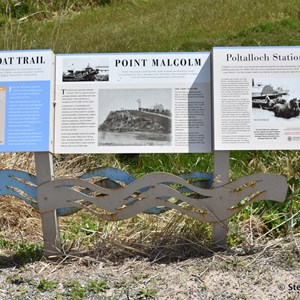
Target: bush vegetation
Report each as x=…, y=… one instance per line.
x=165, y=25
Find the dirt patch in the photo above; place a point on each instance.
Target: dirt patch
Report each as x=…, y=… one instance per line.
x=269, y=271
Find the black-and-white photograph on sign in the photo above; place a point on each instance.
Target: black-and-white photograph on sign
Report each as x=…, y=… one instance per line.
x=91, y=69
x=139, y=117
x=275, y=98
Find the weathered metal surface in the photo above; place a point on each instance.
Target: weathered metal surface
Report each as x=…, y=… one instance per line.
x=111, y=173
x=51, y=232
x=122, y=196
x=113, y=178
x=221, y=175
x=154, y=190
x=150, y=193
x=19, y=184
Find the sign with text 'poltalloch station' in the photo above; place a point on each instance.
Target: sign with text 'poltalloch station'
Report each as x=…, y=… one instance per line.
x=256, y=98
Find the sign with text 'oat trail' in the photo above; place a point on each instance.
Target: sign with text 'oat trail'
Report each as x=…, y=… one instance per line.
x=26, y=100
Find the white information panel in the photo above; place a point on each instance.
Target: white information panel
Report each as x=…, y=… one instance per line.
x=133, y=103
x=256, y=98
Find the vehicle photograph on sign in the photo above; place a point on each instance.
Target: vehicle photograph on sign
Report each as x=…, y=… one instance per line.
x=276, y=95
x=92, y=69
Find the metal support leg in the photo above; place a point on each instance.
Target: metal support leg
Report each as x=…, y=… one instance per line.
x=44, y=173
x=221, y=176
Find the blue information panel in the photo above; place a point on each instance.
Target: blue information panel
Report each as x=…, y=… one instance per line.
x=26, y=100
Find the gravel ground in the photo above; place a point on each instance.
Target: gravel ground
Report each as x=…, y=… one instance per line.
x=271, y=271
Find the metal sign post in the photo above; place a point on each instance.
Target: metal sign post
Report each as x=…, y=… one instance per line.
x=221, y=177
x=44, y=173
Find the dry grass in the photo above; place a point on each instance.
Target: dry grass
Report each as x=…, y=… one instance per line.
x=75, y=165
x=166, y=237
x=18, y=221
x=234, y=274
x=144, y=26
x=18, y=161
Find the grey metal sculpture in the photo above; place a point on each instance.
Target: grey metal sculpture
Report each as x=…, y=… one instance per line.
x=119, y=195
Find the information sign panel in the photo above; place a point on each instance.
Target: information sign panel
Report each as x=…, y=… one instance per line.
x=26, y=100
x=256, y=98
x=133, y=103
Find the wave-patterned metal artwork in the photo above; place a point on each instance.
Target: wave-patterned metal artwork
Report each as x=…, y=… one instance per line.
x=19, y=184
x=116, y=195
x=165, y=191
x=113, y=194
x=23, y=185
